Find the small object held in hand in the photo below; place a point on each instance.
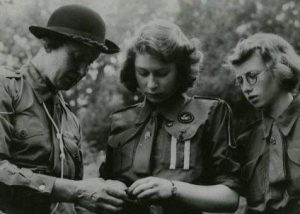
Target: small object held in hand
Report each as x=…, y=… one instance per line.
x=131, y=198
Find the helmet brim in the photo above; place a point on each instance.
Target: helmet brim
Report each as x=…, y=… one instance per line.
x=107, y=46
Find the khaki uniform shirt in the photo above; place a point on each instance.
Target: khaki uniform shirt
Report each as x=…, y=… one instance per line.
x=29, y=147
x=270, y=161
x=187, y=140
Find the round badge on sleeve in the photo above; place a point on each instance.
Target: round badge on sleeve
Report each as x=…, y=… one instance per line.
x=185, y=117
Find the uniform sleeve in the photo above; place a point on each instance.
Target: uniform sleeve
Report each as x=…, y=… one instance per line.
x=222, y=151
x=240, y=157
x=105, y=169
x=10, y=175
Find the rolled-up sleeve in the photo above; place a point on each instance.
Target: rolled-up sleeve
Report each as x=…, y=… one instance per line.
x=222, y=150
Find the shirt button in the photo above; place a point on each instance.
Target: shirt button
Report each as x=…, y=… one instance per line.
x=42, y=187
x=23, y=133
x=76, y=157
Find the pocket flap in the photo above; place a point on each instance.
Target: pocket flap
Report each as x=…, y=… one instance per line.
x=199, y=111
x=71, y=144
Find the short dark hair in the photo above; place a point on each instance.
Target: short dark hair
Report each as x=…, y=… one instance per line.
x=278, y=55
x=53, y=43
x=167, y=42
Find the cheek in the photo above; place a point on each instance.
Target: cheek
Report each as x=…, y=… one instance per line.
x=171, y=82
x=141, y=82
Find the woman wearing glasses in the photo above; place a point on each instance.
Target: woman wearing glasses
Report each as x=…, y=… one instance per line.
x=267, y=70
x=172, y=150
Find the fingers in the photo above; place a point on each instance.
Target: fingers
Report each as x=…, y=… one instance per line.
x=116, y=184
x=147, y=194
x=137, y=183
x=142, y=187
x=98, y=195
x=117, y=193
x=108, y=199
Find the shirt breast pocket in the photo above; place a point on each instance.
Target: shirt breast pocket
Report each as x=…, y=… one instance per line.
x=28, y=133
x=122, y=148
x=71, y=142
x=254, y=176
x=27, y=126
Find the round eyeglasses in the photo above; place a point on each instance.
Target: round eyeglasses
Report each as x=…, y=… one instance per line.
x=251, y=78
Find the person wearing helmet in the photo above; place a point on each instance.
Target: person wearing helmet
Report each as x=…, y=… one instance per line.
x=40, y=158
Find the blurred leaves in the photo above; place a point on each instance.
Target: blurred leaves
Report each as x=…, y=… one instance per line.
x=218, y=24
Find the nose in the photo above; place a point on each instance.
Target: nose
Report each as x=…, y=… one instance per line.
x=152, y=83
x=82, y=70
x=246, y=87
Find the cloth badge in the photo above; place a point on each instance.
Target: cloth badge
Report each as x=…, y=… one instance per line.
x=185, y=117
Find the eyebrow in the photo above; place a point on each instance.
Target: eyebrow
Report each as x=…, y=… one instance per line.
x=155, y=70
x=249, y=72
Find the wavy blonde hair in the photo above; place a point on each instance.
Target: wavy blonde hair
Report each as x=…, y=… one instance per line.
x=278, y=55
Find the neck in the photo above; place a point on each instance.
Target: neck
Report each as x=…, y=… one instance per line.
x=173, y=100
x=279, y=105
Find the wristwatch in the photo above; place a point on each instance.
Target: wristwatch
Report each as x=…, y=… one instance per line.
x=173, y=190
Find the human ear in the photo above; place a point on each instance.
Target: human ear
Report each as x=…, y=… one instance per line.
x=46, y=46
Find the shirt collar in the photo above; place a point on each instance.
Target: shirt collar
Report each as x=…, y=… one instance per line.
x=168, y=111
x=42, y=88
x=286, y=120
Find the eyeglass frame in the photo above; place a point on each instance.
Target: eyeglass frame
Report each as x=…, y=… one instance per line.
x=237, y=82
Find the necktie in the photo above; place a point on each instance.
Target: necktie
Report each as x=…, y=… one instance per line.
x=142, y=159
x=276, y=158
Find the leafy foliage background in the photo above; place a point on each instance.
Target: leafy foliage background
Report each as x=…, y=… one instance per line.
x=218, y=24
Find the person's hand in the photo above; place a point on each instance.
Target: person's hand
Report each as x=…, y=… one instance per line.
x=98, y=195
x=151, y=189
x=117, y=184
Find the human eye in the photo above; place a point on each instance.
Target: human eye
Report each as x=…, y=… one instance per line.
x=142, y=72
x=162, y=72
x=239, y=81
x=76, y=55
x=252, y=77
x=252, y=74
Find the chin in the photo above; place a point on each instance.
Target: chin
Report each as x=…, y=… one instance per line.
x=155, y=101
x=258, y=105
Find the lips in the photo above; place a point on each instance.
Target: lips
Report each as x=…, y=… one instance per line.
x=154, y=96
x=253, y=98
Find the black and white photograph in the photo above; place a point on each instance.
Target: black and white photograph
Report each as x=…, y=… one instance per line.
x=149, y=107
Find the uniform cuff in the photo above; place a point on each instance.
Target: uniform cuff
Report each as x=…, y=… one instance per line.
x=43, y=184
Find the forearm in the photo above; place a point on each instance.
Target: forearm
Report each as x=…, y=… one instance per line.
x=215, y=198
x=65, y=190
x=14, y=177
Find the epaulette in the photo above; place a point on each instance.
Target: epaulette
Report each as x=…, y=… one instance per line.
x=219, y=100
x=127, y=108
x=207, y=98
x=9, y=72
